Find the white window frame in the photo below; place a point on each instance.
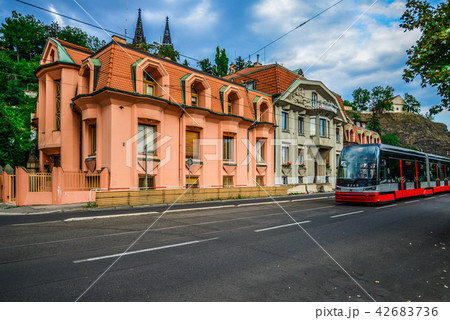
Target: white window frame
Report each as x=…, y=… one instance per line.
x=312, y=126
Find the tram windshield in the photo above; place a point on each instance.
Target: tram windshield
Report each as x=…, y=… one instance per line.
x=358, y=166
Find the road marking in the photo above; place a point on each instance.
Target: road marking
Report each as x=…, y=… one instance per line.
x=283, y=226
x=346, y=214
x=144, y=250
x=412, y=201
x=391, y=205
x=110, y=216
x=153, y=230
x=30, y=223
x=295, y=200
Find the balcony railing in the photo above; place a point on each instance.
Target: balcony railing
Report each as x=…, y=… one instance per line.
x=322, y=104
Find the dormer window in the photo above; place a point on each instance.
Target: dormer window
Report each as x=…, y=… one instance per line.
x=194, y=96
x=149, y=85
x=251, y=84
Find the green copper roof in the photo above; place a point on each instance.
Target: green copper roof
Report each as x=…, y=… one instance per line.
x=223, y=88
x=256, y=99
x=96, y=62
x=63, y=56
x=136, y=63
x=185, y=76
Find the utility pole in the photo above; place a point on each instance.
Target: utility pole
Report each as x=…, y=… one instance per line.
x=146, y=173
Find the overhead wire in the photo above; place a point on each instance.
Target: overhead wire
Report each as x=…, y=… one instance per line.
x=90, y=24
x=292, y=30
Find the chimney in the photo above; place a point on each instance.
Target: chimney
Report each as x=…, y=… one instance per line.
x=257, y=63
x=118, y=39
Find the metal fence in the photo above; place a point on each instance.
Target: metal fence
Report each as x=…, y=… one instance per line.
x=81, y=181
x=40, y=182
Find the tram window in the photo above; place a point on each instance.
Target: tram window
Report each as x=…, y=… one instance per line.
x=422, y=171
x=448, y=173
x=383, y=170
x=358, y=166
x=409, y=171
x=441, y=172
x=433, y=172
x=393, y=170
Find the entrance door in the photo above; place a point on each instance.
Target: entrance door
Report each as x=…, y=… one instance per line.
x=316, y=169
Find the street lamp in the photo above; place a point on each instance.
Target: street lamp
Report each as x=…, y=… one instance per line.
x=189, y=163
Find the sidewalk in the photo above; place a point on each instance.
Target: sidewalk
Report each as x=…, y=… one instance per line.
x=8, y=210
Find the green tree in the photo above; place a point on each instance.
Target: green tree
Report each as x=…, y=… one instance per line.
x=429, y=58
x=374, y=123
x=347, y=103
x=361, y=98
x=206, y=66
x=391, y=138
x=24, y=35
x=381, y=99
x=186, y=63
x=15, y=133
x=221, y=60
x=434, y=110
x=412, y=105
x=166, y=50
x=240, y=63
x=378, y=100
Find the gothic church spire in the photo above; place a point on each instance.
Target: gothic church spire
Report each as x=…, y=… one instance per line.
x=139, y=33
x=166, y=38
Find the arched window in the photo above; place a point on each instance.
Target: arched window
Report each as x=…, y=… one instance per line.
x=198, y=91
x=151, y=78
x=84, y=84
x=194, y=96
x=233, y=103
x=149, y=84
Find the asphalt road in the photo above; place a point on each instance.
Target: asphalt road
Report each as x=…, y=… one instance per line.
x=241, y=252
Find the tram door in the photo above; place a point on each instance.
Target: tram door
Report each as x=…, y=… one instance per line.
x=409, y=174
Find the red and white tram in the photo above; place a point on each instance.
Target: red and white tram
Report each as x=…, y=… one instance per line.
x=376, y=173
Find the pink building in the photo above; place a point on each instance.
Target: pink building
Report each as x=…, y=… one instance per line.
x=118, y=107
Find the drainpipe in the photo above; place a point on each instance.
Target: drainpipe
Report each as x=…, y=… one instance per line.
x=72, y=105
x=180, y=146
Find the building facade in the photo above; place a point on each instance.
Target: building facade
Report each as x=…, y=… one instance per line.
x=310, y=124
x=149, y=120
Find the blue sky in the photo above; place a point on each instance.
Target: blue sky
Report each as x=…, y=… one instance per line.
x=355, y=44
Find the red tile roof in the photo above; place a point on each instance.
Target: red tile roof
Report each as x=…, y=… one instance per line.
x=73, y=46
x=270, y=79
x=115, y=72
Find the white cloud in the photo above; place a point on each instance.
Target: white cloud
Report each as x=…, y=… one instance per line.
x=56, y=17
x=278, y=16
x=198, y=19
x=393, y=10
x=371, y=52
x=201, y=18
